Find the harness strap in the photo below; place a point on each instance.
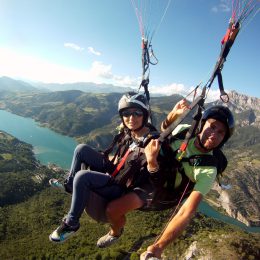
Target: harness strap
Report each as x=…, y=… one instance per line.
x=198, y=101
x=130, y=149
x=191, y=132
x=223, y=95
x=121, y=163
x=227, y=43
x=117, y=138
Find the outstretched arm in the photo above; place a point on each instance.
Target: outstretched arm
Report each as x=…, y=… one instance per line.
x=177, y=110
x=177, y=224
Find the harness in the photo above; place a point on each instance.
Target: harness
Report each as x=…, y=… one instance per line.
x=129, y=170
x=166, y=195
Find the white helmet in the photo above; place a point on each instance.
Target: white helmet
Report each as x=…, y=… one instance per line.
x=134, y=100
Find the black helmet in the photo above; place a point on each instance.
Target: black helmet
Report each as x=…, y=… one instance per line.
x=134, y=100
x=222, y=114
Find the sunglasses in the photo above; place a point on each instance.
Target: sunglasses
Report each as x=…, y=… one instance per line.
x=135, y=113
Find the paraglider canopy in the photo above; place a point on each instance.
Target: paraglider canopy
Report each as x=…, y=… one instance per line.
x=243, y=11
x=150, y=15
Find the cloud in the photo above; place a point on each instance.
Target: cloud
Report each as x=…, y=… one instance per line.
x=73, y=46
x=28, y=67
x=213, y=95
x=126, y=81
x=181, y=89
x=31, y=68
x=99, y=69
x=78, y=48
x=92, y=51
x=223, y=6
x=167, y=90
x=104, y=71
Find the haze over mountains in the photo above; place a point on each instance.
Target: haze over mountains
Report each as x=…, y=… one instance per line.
x=7, y=83
x=10, y=84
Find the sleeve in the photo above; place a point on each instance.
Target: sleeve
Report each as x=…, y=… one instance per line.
x=156, y=177
x=204, y=178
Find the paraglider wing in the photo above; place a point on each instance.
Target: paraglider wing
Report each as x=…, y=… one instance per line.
x=242, y=10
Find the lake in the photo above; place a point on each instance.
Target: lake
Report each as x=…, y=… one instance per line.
x=51, y=147
x=48, y=146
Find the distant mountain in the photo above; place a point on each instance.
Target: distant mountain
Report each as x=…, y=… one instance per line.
x=243, y=102
x=73, y=113
x=247, y=108
x=76, y=113
x=84, y=86
x=9, y=84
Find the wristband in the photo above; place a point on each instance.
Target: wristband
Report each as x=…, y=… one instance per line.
x=153, y=170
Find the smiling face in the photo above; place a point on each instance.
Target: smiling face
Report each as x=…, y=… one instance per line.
x=133, y=118
x=212, y=134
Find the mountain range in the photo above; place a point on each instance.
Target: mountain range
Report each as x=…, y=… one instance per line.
x=10, y=84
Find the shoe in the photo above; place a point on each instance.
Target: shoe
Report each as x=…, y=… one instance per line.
x=108, y=240
x=68, y=185
x=63, y=232
x=148, y=256
x=55, y=183
x=63, y=185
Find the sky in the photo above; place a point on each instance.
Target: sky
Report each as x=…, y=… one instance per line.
x=65, y=41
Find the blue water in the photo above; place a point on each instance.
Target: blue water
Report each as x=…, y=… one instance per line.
x=50, y=147
x=211, y=212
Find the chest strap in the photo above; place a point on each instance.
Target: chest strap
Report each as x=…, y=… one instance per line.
x=122, y=161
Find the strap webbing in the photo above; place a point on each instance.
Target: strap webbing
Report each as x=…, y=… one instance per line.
x=121, y=163
x=192, y=129
x=198, y=101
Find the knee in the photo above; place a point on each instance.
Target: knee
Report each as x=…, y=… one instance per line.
x=80, y=177
x=111, y=209
x=79, y=148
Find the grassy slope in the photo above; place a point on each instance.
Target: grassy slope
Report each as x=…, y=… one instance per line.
x=25, y=229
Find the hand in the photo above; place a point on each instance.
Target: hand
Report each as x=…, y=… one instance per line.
x=180, y=107
x=149, y=255
x=151, y=152
x=177, y=110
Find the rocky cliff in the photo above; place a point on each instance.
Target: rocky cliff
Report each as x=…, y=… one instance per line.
x=242, y=200
x=247, y=108
x=243, y=102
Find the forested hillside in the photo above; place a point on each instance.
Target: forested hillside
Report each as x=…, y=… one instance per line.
x=21, y=175
x=72, y=113
x=27, y=223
